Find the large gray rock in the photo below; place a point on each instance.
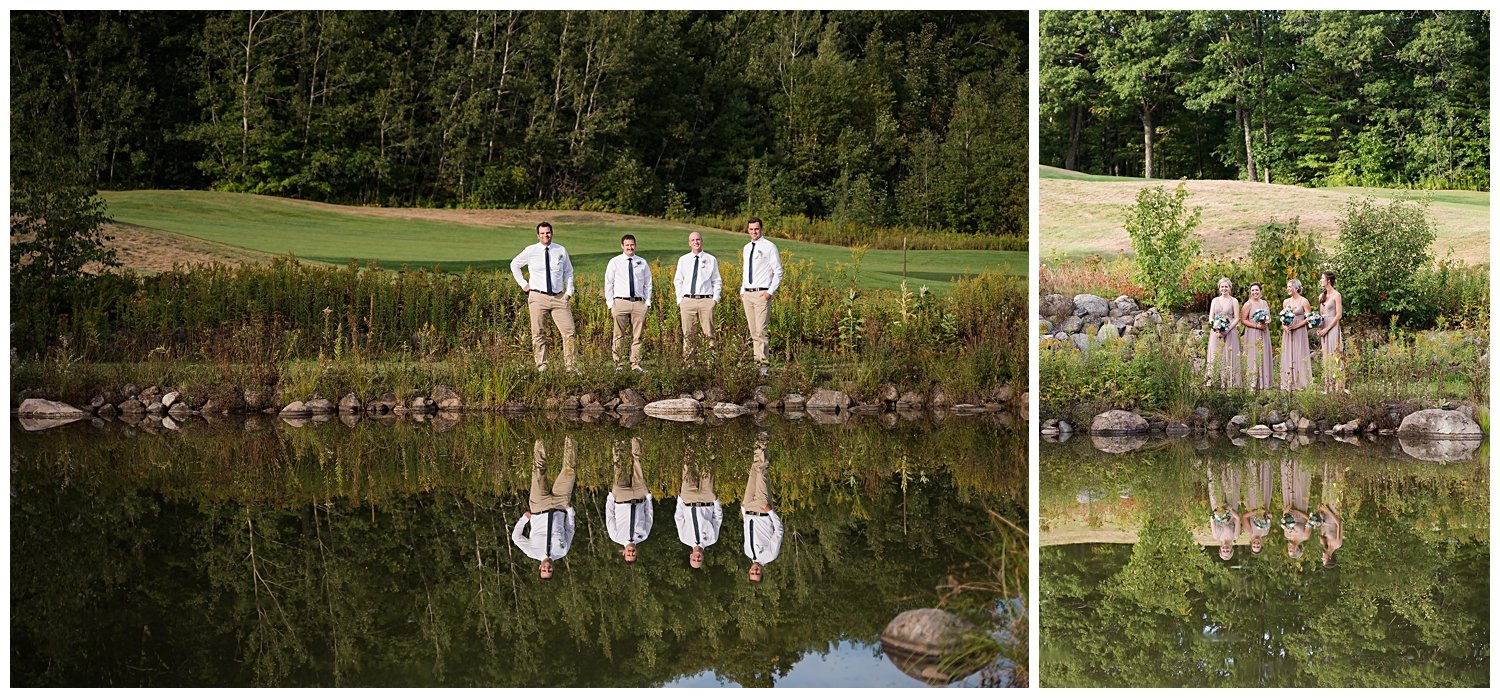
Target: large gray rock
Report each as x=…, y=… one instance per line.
x=170, y=399
x=1090, y=306
x=1447, y=424
x=349, y=404
x=940, y=399
x=1124, y=305
x=1107, y=333
x=1070, y=324
x=829, y=400
x=320, y=406
x=630, y=398
x=1056, y=307
x=37, y=407
x=1118, y=422
x=132, y=407
x=923, y=642
x=729, y=410
x=911, y=400
x=794, y=402
x=676, y=409
x=442, y=392
x=296, y=408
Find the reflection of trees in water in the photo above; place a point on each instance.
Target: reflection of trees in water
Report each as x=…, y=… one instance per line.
x=395, y=567
x=1411, y=580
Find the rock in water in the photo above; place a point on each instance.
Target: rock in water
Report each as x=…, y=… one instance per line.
x=1115, y=422
x=37, y=407
x=923, y=643
x=1446, y=424
x=676, y=409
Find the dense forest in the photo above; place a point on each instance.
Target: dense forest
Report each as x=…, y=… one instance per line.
x=1315, y=97
x=862, y=117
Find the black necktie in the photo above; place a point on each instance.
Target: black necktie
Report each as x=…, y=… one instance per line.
x=693, y=287
x=753, y=551
x=547, y=262
x=750, y=266
x=549, y=534
x=696, y=535
x=631, y=268
x=632, y=523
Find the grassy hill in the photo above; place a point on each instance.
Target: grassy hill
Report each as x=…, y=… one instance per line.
x=1083, y=214
x=162, y=226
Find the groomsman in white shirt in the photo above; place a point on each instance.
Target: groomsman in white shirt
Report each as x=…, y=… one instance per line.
x=627, y=293
x=763, y=529
x=698, y=285
x=699, y=513
x=549, y=512
x=627, y=508
x=760, y=265
x=548, y=290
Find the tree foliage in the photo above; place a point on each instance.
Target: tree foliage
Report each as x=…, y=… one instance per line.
x=1282, y=252
x=914, y=118
x=1381, y=248
x=1371, y=98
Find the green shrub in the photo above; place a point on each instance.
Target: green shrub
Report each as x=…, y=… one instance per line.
x=1381, y=249
x=1161, y=236
x=1282, y=252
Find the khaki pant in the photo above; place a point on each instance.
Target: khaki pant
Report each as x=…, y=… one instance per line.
x=758, y=316
x=558, y=496
x=697, y=487
x=758, y=486
x=697, y=314
x=629, y=484
x=541, y=305
x=630, y=316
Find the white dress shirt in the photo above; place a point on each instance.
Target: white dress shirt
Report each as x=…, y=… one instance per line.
x=708, y=518
x=534, y=543
x=766, y=271
x=532, y=257
x=617, y=519
x=617, y=279
x=709, y=282
x=766, y=532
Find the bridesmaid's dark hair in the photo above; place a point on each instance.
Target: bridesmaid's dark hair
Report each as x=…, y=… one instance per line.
x=1323, y=297
x=1256, y=284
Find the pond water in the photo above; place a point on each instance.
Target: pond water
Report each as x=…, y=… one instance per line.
x=255, y=552
x=1135, y=590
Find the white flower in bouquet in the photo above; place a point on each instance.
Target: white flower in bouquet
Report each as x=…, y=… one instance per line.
x=1220, y=323
x=1314, y=319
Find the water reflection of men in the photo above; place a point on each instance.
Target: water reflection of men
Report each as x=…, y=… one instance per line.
x=627, y=509
x=762, y=526
x=699, y=513
x=1257, y=517
x=1330, y=524
x=1295, y=483
x=1224, y=509
x=549, y=511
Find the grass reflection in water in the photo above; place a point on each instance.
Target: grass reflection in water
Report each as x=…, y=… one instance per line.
x=260, y=554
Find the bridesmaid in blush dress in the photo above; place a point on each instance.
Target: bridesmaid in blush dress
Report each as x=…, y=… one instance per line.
x=1224, y=347
x=1331, y=307
x=1296, y=360
x=1257, y=342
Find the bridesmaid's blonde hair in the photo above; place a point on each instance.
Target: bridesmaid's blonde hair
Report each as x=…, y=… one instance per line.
x=1224, y=280
x=1295, y=283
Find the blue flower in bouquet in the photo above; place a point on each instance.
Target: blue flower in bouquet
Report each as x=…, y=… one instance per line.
x=1220, y=323
x=1287, y=317
x=1314, y=319
x=1261, y=315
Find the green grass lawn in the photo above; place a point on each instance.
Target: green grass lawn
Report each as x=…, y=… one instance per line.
x=393, y=238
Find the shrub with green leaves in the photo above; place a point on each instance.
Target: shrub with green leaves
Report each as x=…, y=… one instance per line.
x=1283, y=251
x=1161, y=234
x=1381, y=249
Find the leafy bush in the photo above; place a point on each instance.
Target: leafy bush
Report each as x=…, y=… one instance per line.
x=1283, y=251
x=1161, y=234
x=1381, y=249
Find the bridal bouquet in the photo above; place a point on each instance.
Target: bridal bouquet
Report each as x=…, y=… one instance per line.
x=1314, y=319
x=1260, y=315
x=1287, y=317
x=1219, y=323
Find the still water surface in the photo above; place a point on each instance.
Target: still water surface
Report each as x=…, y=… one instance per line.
x=253, y=552
x=1135, y=590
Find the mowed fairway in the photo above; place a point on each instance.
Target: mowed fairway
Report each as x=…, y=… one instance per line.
x=455, y=240
x=1084, y=214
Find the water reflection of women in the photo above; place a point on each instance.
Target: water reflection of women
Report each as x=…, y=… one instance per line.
x=1257, y=516
x=1330, y=524
x=1295, y=483
x=1224, y=520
